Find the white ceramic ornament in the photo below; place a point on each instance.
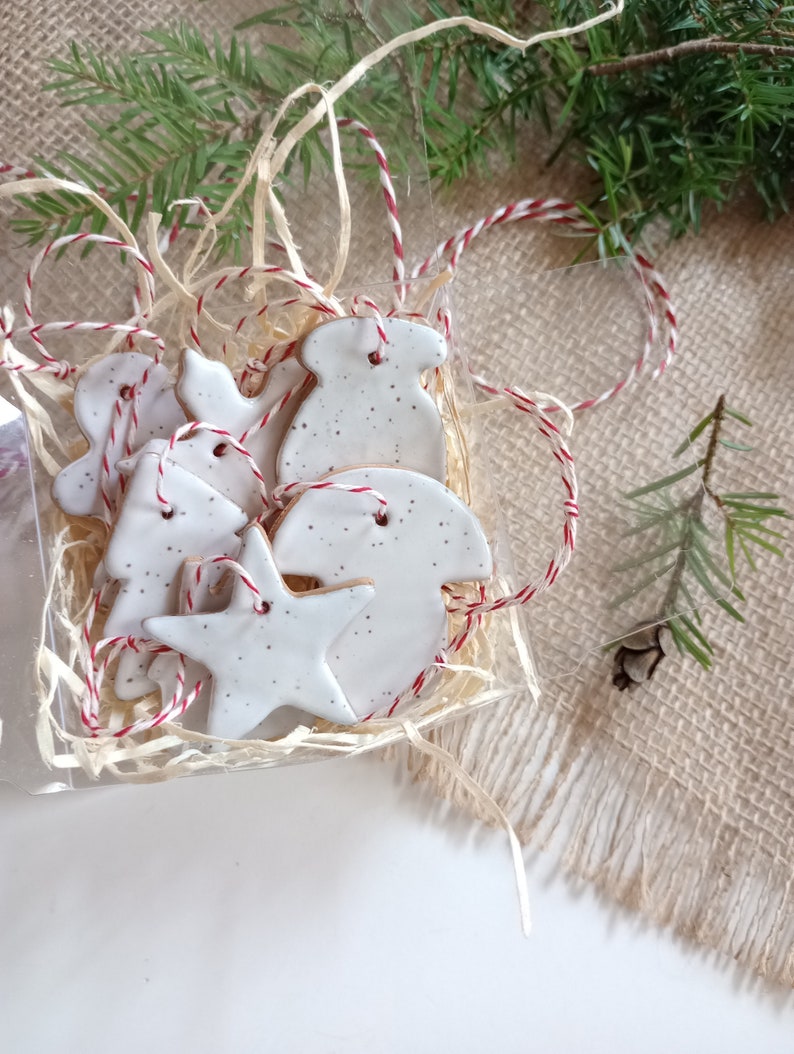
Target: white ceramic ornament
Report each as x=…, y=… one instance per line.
x=77, y=488
x=261, y=661
x=147, y=548
x=363, y=411
x=430, y=538
x=204, y=454
x=209, y=392
x=212, y=593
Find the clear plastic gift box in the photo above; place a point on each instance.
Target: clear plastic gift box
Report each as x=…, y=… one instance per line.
x=44, y=747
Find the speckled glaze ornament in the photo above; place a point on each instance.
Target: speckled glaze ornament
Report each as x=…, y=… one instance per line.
x=212, y=593
x=148, y=547
x=368, y=406
x=208, y=391
x=266, y=655
x=428, y=537
x=78, y=487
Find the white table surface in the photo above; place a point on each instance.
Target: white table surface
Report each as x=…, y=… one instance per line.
x=322, y=909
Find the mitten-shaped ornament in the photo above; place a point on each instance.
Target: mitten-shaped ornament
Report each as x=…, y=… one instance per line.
x=426, y=538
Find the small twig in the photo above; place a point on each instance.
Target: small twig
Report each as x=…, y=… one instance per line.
x=702, y=46
x=692, y=507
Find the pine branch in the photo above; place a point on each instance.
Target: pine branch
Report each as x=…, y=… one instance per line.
x=180, y=119
x=684, y=552
x=661, y=132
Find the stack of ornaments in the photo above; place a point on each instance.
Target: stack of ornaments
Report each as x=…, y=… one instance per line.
x=328, y=605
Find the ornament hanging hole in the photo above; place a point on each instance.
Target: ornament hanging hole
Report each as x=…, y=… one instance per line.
x=167, y=514
x=220, y=450
x=381, y=517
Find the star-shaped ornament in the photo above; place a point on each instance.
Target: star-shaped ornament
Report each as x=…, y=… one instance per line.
x=270, y=653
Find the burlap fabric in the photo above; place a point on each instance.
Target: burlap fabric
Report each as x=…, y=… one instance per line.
x=677, y=799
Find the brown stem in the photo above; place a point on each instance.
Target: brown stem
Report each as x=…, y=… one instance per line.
x=693, y=507
x=702, y=46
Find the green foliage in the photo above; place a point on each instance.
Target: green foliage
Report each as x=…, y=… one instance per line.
x=180, y=119
x=698, y=566
x=661, y=139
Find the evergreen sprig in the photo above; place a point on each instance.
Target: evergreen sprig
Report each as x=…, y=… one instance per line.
x=672, y=106
x=682, y=550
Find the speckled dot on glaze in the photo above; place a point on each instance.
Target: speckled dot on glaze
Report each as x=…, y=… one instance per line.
x=77, y=488
x=146, y=552
x=430, y=538
x=366, y=413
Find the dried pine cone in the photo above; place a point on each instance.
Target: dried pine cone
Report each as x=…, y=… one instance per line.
x=639, y=654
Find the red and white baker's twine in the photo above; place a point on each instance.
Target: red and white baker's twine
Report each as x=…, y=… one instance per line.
x=283, y=402
x=132, y=329
x=61, y=368
x=236, y=274
x=185, y=432
x=260, y=312
x=145, y=267
x=384, y=174
x=260, y=604
x=128, y=395
x=97, y=667
x=567, y=214
x=474, y=611
x=284, y=493
x=564, y=459
x=376, y=356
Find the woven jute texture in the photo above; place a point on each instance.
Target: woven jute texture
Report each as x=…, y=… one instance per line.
x=676, y=799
